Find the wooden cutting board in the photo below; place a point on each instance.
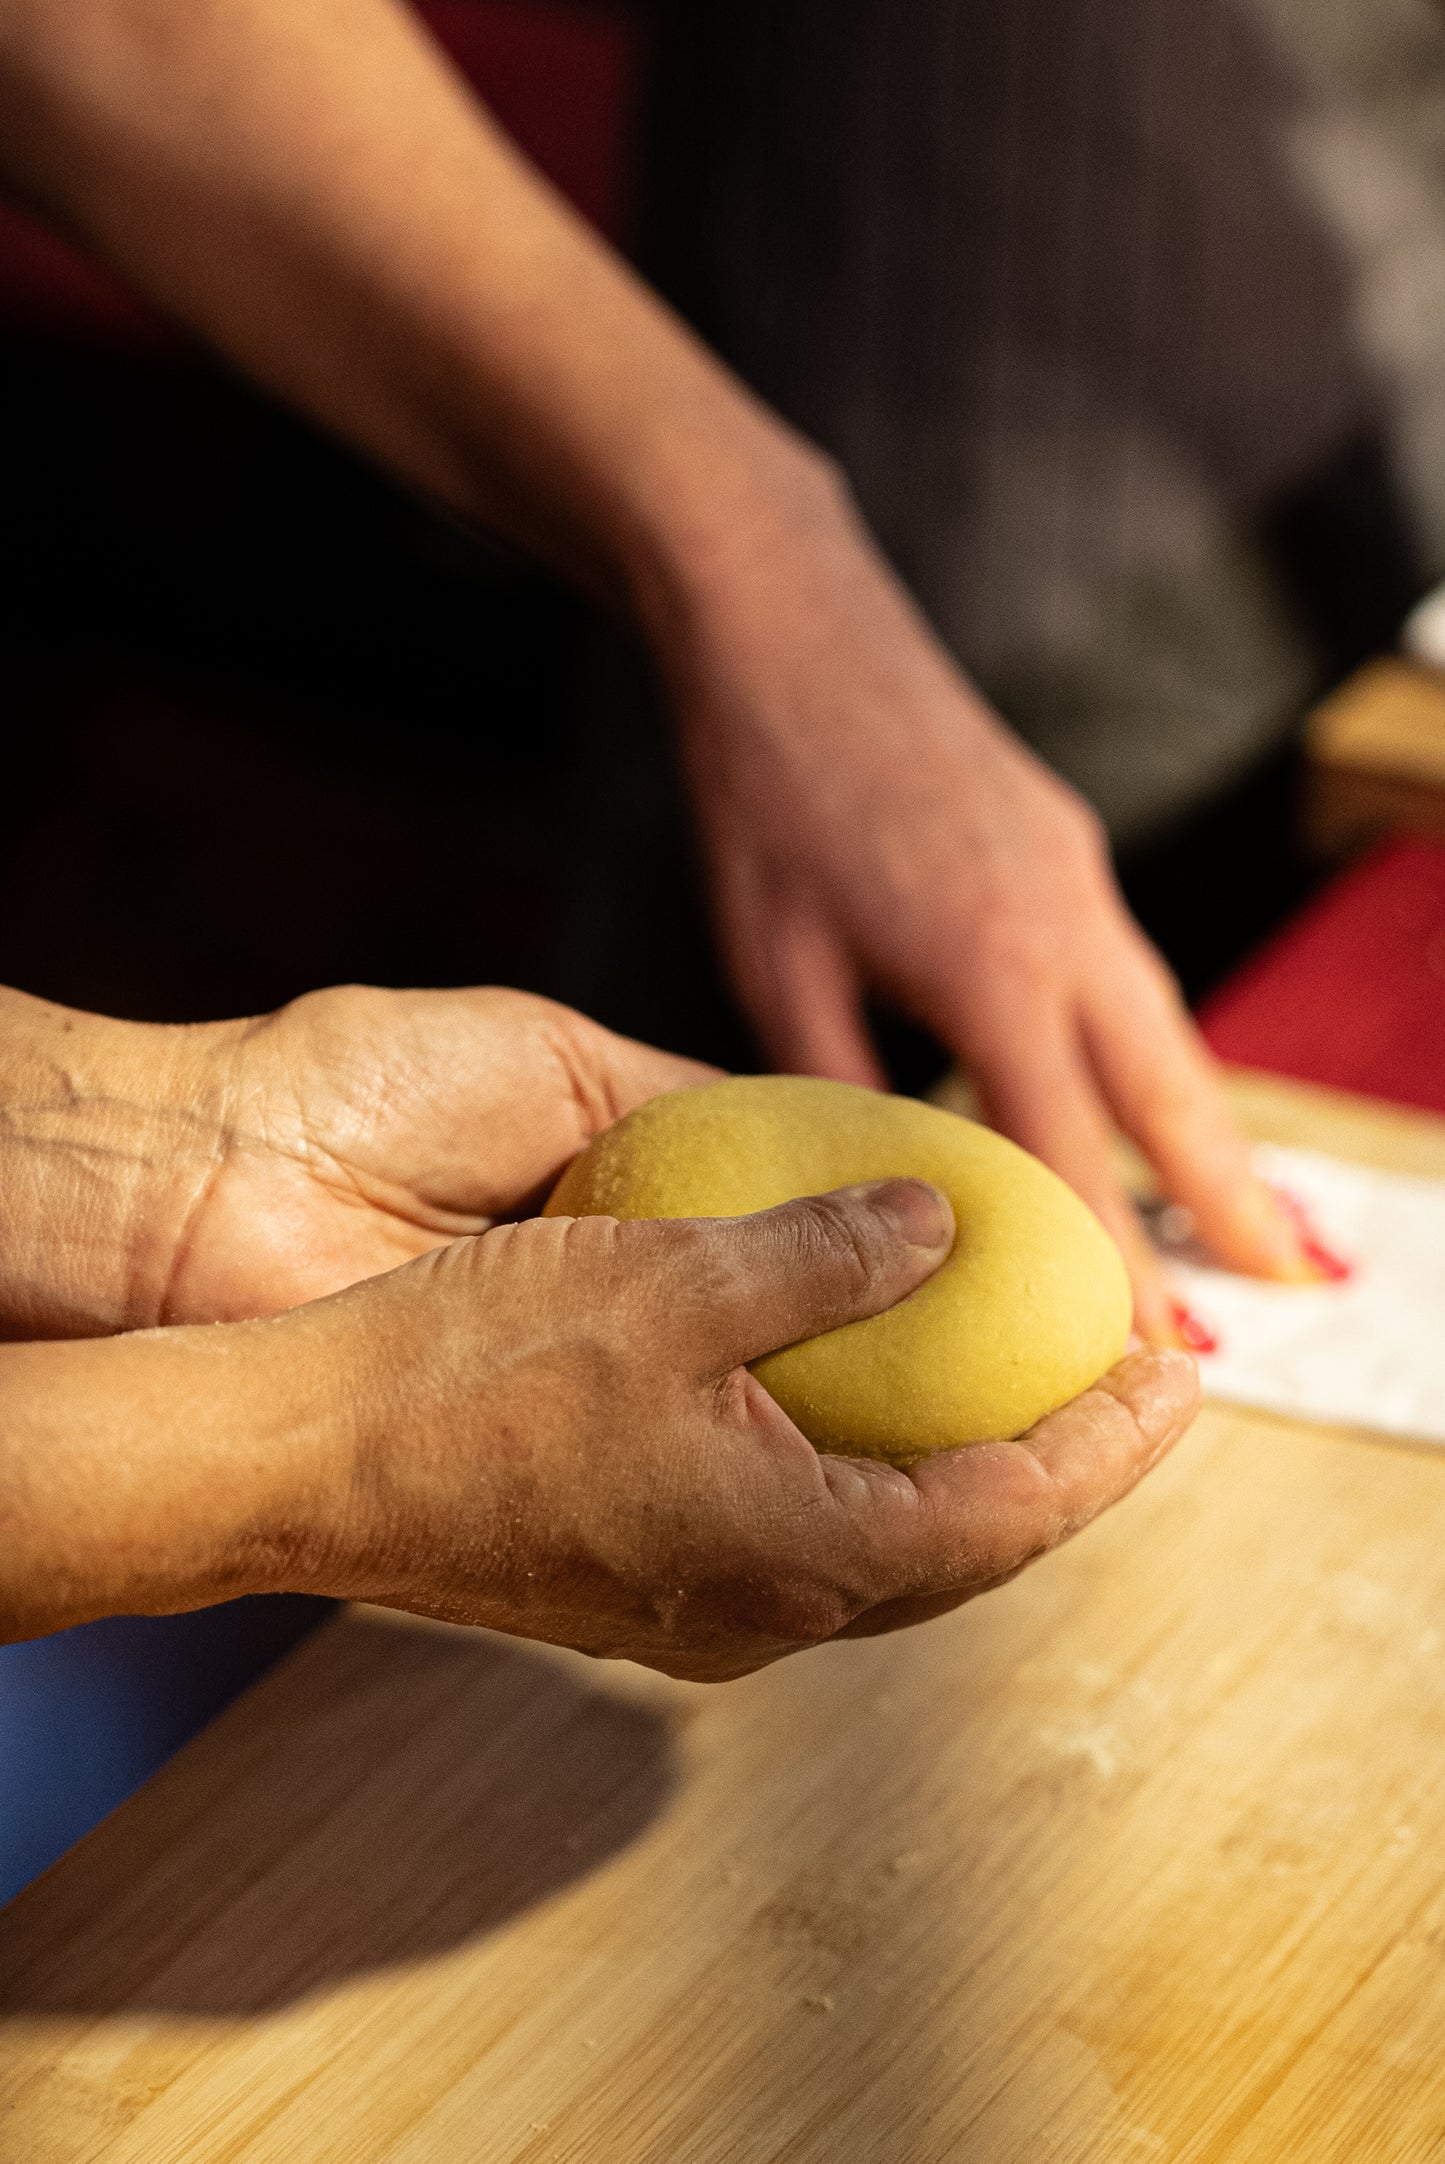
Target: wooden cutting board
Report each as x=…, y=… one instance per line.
x=1141, y=1858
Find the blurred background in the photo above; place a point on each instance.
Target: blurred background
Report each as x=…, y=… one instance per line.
x=274, y=724
x=271, y=723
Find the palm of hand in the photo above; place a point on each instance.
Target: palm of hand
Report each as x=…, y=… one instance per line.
x=364, y=1128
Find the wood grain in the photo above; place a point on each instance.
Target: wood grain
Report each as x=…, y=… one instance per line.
x=1141, y=1858
x=1376, y=752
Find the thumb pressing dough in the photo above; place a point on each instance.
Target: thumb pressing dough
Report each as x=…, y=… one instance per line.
x=1030, y=1307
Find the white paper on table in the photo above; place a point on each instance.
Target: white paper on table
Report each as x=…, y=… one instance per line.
x=1369, y=1352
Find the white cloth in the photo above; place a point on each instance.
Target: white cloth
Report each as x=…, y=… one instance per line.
x=1368, y=1352
x=1424, y=633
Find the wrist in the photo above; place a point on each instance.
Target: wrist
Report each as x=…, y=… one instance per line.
x=782, y=624
x=168, y=1469
x=778, y=573
x=109, y=1133
x=758, y=494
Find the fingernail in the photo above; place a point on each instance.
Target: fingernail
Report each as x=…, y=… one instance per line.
x=916, y=1210
x=1194, y=1335
x=1321, y=1261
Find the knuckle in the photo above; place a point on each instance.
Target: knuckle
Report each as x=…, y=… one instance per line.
x=796, y=1612
x=764, y=1591
x=572, y=1268
x=590, y=1245
x=849, y=1239
x=1055, y=1512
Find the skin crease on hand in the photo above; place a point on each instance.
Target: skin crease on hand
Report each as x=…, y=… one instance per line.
x=308, y=185
x=657, y=1503
x=550, y=1430
x=367, y=1127
x=158, y=1175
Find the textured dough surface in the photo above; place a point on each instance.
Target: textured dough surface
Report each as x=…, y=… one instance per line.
x=1029, y=1309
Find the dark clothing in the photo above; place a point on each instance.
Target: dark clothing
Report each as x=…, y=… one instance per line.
x=1109, y=308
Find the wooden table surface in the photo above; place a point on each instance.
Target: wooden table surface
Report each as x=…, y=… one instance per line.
x=1141, y=1858
x=1376, y=756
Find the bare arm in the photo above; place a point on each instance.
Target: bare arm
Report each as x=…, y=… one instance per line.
x=308, y=184
x=544, y=1426
x=229, y=1170
x=146, y=1474
x=548, y=1430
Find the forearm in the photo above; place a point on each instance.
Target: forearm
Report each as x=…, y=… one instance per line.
x=308, y=184
x=109, y=1132
x=166, y=1470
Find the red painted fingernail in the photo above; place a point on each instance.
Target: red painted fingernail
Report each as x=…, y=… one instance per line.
x=1312, y=1247
x=1329, y=1264
x=1196, y=1335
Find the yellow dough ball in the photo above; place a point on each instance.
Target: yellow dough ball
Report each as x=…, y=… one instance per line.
x=1030, y=1308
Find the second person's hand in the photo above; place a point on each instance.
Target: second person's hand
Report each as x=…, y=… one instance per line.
x=872, y=828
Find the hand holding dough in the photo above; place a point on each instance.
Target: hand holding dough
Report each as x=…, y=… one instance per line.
x=1030, y=1308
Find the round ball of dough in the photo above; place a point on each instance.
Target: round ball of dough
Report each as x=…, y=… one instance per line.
x=1030, y=1308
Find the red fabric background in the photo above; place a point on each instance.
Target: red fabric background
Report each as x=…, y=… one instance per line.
x=1352, y=993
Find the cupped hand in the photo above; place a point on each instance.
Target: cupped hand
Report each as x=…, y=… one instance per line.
x=356, y=1129
x=557, y=1435
x=872, y=828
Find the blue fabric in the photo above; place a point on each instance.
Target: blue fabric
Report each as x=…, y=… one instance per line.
x=87, y=1715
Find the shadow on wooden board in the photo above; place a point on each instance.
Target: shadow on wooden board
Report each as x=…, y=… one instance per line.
x=476, y=1778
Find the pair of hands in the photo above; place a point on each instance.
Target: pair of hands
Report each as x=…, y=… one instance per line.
x=870, y=826
x=548, y=1427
